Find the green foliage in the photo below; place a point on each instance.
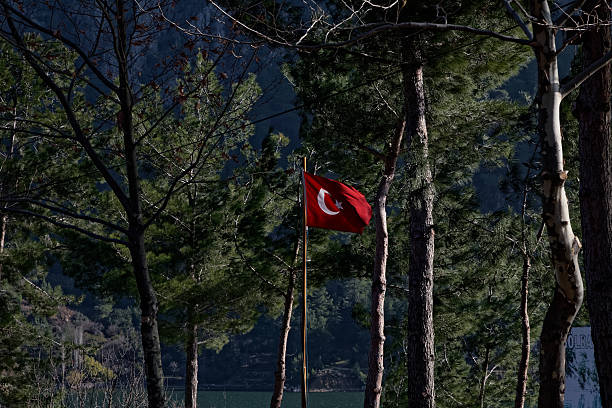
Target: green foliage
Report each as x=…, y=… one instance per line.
x=95, y=369
x=27, y=301
x=354, y=98
x=200, y=277
x=224, y=249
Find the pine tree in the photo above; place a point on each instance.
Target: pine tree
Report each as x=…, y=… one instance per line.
x=107, y=145
x=28, y=350
x=361, y=112
x=206, y=293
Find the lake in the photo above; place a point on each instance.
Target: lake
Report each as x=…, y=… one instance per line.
x=247, y=399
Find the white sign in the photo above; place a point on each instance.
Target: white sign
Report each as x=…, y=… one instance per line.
x=581, y=384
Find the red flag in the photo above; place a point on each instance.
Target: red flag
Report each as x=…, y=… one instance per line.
x=335, y=206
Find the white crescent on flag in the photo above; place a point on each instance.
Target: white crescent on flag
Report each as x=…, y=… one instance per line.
x=321, y=201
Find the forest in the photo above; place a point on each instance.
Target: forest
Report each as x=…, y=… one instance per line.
x=153, y=165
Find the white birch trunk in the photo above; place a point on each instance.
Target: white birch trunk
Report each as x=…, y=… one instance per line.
x=564, y=245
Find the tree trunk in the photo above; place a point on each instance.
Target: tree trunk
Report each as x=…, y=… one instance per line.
x=148, y=324
x=564, y=245
x=485, y=375
x=191, y=369
x=379, y=286
x=63, y=384
x=593, y=112
x=4, y=182
x=373, y=388
x=148, y=299
x=2, y=239
x=521, y=384
x=280, y=373
x=420, y=332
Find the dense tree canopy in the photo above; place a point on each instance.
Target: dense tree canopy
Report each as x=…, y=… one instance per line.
x=151, y=223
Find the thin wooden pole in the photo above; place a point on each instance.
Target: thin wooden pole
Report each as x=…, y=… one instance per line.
x=304, y=236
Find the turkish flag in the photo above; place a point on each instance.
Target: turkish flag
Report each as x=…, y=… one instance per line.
x=333, y=205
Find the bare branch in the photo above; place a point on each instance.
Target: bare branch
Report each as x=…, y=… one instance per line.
x=585, y=74
x=540, y=232
x=72, y=76
x=398, y=287
x=569, y=41
x=196, y=32
x=566, y=15
x=384, y=101
x=518, y=19
x=278, y=258
x=373, y=30
x=520, y=6
x=172, y=107
x=199, y=155
x=38, y=288
x=374, y=152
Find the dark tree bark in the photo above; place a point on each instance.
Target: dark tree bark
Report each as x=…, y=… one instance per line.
x=420, y=333
x=191, y=371
x=148, y=323
x=373, y=389
x=564, y=245
x=593, y=112
x=280, y=373
x=148, y=299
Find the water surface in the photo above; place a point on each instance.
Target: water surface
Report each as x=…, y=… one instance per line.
x=248, y=399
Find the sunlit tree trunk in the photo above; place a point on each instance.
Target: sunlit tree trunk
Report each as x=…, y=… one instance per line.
x=564, y=246
x=485, y=376
x=280, y=375
x=2, y=239
x=3, y=181
x=373, y=389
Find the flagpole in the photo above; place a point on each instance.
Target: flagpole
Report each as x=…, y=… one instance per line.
x=304, y=239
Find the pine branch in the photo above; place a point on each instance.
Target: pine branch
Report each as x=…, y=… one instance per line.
x=64, y=225
x=275, y=287
x=56, y=34
x=121, y=195
x=67, y=212
x=200, y=156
